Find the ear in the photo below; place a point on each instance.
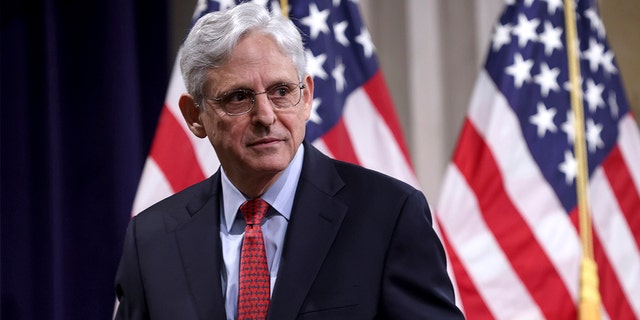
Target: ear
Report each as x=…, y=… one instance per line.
x=191, y=114
x=307, y=97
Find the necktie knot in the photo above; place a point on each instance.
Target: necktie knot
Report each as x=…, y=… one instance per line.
x=254, y=211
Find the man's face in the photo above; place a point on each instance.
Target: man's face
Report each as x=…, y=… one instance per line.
x=261, y=143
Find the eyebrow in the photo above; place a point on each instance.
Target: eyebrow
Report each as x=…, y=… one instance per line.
x=240, y=87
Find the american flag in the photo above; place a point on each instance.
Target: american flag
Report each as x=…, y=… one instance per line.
x=353, y=117
x=507, y=211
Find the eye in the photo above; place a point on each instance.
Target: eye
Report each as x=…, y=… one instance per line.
x=280, y=91
x=237, y=96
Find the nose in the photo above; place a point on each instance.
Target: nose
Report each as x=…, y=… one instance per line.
x=263, y=111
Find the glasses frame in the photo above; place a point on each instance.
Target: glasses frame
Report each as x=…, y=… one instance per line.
x=301, y=86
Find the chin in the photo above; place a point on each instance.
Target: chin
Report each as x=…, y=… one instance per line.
x=267, y=165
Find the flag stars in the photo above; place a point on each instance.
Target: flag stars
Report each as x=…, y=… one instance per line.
x=525, y=30
x=613, y=104
x=338, y=74
x=568, y=127
x=338, y=30
x=553, y=5
x=547, y=79
x=569, y=167
x=315, y=116
x=550, y=38
x=543, y=119
x=226, y=4
x=275, y=7
x=501, y=36
x=364, y=39
x=316, y=21
x=596, y=23
x=520, y=70
x=201, y=7
x=593, y=136
x=607, y=63
x=314, y=65
x=264, y=4
x=567, y=85
x=594, y=54
x=593, y=95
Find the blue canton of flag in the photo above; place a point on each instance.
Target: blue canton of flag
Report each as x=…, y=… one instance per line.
x=527, y=61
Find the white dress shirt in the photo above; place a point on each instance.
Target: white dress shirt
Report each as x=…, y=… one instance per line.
x=274, y=226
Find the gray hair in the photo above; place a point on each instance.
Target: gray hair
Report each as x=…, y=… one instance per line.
x=215, y=35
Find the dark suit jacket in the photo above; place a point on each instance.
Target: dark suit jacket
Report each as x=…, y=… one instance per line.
x=359, y=245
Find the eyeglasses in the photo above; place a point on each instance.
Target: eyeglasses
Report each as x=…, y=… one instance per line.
x=238, y=102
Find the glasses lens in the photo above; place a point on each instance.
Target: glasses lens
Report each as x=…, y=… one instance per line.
x=285, y=95
x=239, y=101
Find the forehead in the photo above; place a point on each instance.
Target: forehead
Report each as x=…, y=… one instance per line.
x=256, y=60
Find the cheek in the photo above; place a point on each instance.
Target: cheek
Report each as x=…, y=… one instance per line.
x=214, y=129
x=217, y=134
x=298, y=128
x=225, y=135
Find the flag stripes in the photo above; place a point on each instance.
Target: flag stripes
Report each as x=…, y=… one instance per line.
x=619, y=249
x=173, y=153
x=610, y=286
x=489, y=272
x=534, y=199
x=463, y=282
x=338, y=143
x=629, y=143
x=512, y=233
x=377, y=92
x=508, y=207
x=368, y=118
x=177, y=158
x=628, y=199
x=559, y=247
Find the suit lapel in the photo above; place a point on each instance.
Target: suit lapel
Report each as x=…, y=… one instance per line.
x=314, y=223
x=199, y=244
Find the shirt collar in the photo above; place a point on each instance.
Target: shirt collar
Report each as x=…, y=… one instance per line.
x=280, y=195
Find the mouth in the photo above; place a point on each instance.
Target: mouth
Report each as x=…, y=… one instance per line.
x=264, y=142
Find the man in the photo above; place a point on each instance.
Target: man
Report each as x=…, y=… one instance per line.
x=336, y=241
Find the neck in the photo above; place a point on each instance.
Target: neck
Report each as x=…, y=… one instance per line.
x=254, y=186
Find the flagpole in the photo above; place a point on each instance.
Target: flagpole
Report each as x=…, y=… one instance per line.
x=589, y=304
x=284, y=6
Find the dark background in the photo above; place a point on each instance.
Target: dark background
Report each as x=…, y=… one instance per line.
x=82, y=86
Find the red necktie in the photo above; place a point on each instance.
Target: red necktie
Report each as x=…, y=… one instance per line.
x=253, y=297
